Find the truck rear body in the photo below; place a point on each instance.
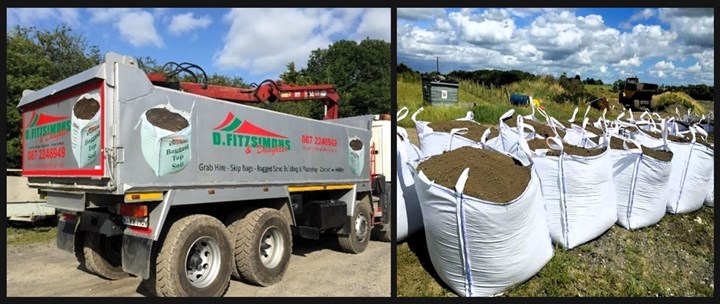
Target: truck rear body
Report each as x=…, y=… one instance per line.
x=116, y=155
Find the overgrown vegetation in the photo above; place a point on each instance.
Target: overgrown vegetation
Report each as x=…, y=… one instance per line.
x=668, y=100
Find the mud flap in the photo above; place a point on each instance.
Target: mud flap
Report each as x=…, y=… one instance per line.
x=136, y=253
x=66, y=235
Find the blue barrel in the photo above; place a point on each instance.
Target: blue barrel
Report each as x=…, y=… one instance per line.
x=519, y=100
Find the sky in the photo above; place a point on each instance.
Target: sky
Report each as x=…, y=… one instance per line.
x=661, y=45
x=252, y=43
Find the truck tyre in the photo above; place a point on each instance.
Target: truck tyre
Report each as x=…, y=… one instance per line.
x=101, y=255
x=359, y=236
x=232, y=222
x=263, y=244
x=194, y=259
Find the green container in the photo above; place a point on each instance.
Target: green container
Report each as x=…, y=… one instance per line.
x=440, y=91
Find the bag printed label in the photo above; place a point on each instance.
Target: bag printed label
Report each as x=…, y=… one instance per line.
x=357, y=155
x=165, y=139
x=85, y=130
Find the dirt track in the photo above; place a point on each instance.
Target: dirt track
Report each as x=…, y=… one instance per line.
x=317, y=268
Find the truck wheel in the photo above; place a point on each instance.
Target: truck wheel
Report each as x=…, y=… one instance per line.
x=263, y=244
x=101, y=255
x=232, y=222
x=359, y=236
x=194, y=259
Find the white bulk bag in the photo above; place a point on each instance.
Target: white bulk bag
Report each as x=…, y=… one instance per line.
x=507, y=141
x=408, y=214
x=578, y=136
x=434, y=143
x=692, y=167
x=166, y=152
x=710, y=197
x=85, y=134
x=481, y=248
x=640, y=183
x=579, y=194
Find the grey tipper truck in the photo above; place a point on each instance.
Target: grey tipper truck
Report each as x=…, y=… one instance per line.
x=187, y=191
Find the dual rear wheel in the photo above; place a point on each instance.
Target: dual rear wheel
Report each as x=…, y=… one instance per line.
x=199, y=254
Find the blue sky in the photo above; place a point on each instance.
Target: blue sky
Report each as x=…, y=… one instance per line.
x=662, y=45
x=254, y=44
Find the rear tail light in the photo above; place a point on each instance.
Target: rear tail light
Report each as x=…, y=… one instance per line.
x=68, y=217
x=135, y=215
x=134, y=210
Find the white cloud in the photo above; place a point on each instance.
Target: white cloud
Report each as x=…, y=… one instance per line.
x=631, y=62
x=443, y=25
x=695, y=68
x=138, y=29
x=420, y=13
x=135, y=26
x=375, y=24
x=184, y=23
x=553, y=41
x=643, y=14
x=294, y=33
x=28, y=16
x=101, y=15
x=483, y=31
x=695, y=26
x=664, y=65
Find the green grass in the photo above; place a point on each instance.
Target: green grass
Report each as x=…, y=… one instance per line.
x=669, y=100
x=488, y=104
x=30, y=235
x=673, y=258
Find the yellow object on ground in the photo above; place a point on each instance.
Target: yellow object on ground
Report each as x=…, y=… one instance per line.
x=536, y=102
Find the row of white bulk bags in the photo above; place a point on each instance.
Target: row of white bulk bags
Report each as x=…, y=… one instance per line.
x=434, y=143
x=481, y=248
x=690, y=173
x=578, y=191
x=408, y=214
x=640, y=185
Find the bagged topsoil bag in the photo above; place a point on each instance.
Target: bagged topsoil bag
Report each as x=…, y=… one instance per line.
x=641, y=175
x=482, y=246
x=508, y=139
x=710, y=197
x=356, y=158
x=578, y=190
x=691, y=169
x=409, y=214
x=85, y=131
x=580, y=136
x=165, y=139
x=433, y=142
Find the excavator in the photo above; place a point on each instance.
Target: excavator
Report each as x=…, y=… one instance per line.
x=637, y=95
x=265, y=92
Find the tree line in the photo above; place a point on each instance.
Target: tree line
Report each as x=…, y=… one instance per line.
x=37, y=58
x=573, y=85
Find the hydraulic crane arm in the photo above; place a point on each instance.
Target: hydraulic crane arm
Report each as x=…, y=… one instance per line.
x=267, y=91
